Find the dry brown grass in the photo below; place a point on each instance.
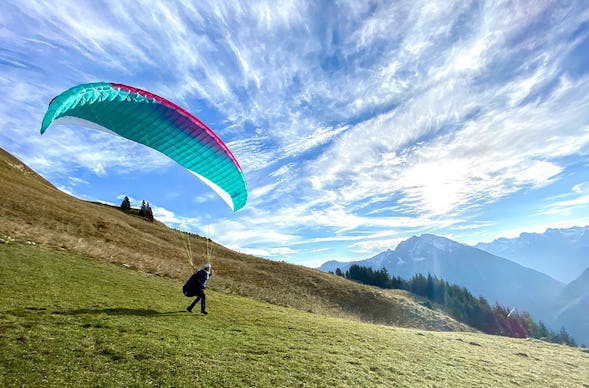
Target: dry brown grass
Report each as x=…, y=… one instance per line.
x=31, y=209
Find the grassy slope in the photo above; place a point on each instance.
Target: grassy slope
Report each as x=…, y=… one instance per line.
x=31, y=209
x=70, y=320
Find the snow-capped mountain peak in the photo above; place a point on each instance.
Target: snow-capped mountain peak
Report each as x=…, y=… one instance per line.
x=560, y=253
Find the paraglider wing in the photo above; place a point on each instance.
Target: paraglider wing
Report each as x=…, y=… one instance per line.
x=151, y=120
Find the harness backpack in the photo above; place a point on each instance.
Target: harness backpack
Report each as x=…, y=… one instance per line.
x=191, y=286
x=196, y=281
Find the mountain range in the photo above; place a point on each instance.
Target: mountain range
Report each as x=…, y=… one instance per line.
x=560, y=253
x=484, y=274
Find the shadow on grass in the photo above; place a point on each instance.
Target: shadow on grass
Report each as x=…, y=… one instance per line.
x=121, y=311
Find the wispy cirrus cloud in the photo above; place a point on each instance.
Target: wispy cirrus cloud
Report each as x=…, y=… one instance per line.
x=173, y=220
x=459, y=141
x=567, y=204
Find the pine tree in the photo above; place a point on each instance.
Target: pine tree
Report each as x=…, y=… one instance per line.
x=126, y=204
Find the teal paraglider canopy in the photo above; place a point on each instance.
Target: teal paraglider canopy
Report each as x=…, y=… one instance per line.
x=149, y=119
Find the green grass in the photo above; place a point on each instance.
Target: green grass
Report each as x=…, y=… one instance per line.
x=70, y=320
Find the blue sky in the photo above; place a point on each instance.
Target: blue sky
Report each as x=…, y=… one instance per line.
x=357, y=124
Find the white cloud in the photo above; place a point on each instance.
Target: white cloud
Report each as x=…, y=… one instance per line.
x=367, y=247
x=168, y=217
x=78, y=181
x=568, y=204
x=268, y=252
x=305, y=143
x=253, y=153
x=458, y=143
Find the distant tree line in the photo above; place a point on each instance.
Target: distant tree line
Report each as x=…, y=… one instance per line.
x=460, y=304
